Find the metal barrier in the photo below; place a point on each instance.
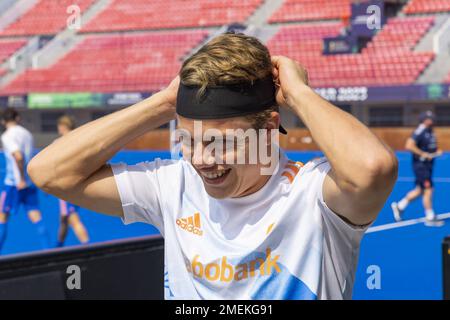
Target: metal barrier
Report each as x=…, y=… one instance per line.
x=124, y=269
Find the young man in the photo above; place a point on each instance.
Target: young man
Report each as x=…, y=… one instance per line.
x=68, y=212
x=231, y=231
x=18, y=148
x=423, y=147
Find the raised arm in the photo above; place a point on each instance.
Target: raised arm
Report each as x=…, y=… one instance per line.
x=363, y=169
x=74, y=166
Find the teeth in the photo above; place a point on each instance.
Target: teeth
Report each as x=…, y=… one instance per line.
x=213, y=175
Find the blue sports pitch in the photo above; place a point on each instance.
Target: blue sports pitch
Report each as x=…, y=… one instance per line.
x=407, y=255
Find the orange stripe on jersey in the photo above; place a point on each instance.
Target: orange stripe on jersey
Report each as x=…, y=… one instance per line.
x=297, y=163
x=294, y=168
x=197, y=220
x=288, y=175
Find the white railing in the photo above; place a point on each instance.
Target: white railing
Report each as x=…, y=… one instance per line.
x=437, y=43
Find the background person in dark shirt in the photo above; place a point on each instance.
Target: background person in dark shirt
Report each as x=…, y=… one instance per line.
x=423, y=146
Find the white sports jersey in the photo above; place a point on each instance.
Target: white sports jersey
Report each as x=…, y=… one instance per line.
x=16, y=138
x=281, y=242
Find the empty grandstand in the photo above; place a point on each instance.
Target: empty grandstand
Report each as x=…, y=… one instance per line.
x=44, y=18
x=132, y=49
x=8, y=47
x=304, y=10
x=426, y=6
x=387, y=60
x=131, y=62
x=124, y=15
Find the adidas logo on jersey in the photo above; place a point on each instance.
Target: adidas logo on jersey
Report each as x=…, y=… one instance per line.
x=191, y=224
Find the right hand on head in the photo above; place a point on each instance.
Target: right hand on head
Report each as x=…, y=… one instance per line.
x=290, y=77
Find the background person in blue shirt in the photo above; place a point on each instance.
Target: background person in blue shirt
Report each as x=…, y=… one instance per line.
x=424, y=149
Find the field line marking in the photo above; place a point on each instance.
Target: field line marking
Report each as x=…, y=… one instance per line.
x=405, y=223
x=411, y=179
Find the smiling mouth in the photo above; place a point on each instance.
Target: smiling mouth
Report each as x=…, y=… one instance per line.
x=215, y=177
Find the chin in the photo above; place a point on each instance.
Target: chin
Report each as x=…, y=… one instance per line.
x=217, y=193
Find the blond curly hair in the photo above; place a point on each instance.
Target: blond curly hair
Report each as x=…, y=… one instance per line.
x=227, y=59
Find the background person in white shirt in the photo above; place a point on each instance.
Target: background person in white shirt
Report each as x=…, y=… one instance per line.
x=19, y=190
x=231, y=232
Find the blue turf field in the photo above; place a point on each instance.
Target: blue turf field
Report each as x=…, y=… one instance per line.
x=409, y=257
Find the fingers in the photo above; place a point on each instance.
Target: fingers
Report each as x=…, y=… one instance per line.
x=275, y=60
x=275, y=63
x=278, y=61
x=275, y=73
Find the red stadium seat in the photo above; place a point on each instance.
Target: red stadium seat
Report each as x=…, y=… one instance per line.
x=47, y=17
x=387, y=60
x=427, y=6
x=113, y=63
x=8, y=47
x=304, y=10
x=123, y=15
x=134, y=61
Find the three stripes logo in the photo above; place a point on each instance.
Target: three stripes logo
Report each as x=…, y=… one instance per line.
x=191, y=224
x=291, y=169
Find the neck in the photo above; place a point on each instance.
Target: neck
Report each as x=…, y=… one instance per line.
x=263, y=179
x=10, y=124
x=256, y=187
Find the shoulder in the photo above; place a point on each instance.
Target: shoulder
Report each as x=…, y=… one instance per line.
x=165, y=173
x=316, y=163
x=419, y=130
x=148, y=179
x=311, y=174
x=316, y=166
x=24, y=132
x=147, y=167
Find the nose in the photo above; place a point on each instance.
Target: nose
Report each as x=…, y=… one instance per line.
x=202, y=157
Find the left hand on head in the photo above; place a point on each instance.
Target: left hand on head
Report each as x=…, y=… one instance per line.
x=290, y=76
